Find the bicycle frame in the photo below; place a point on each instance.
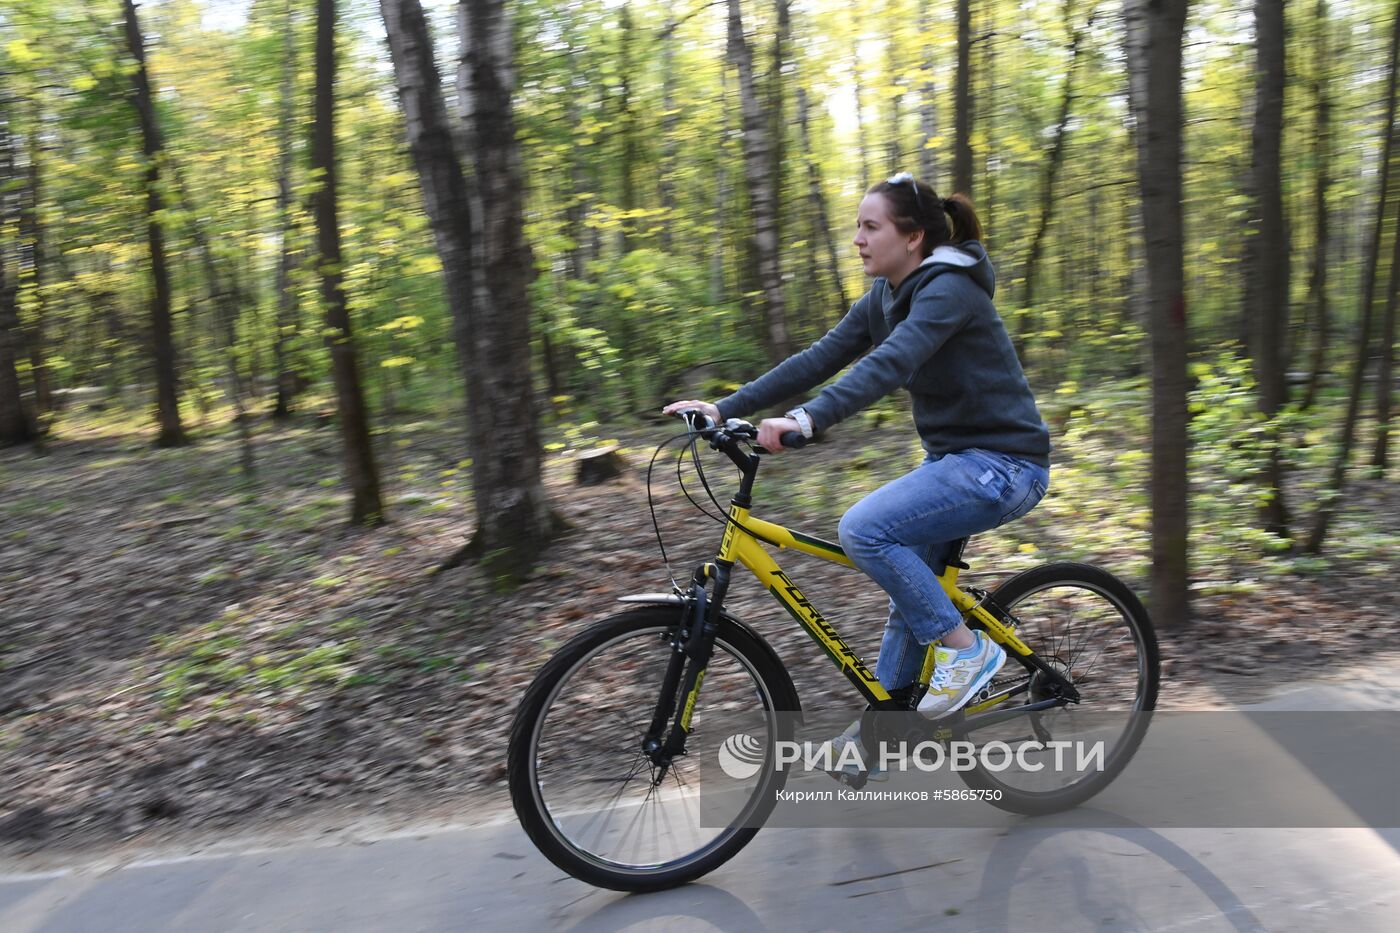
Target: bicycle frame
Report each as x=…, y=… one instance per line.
x=743, y=542
x=744, y=537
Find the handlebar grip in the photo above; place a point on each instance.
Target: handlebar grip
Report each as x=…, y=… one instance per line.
x=794, y=439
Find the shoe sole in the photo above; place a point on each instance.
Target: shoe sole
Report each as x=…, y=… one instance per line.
x=977, y=686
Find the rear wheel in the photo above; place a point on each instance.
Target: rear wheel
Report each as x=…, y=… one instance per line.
x=590, y=798
x=1089, y=627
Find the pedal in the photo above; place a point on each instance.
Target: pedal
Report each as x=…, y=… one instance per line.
x=853, y=781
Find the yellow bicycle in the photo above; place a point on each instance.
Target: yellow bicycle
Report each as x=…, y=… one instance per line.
x=606, y=742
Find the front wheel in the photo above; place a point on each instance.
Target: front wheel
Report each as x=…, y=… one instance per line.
x=1089, y=627
x=592, y=800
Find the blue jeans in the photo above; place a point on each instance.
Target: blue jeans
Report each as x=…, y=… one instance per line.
x=900, y=533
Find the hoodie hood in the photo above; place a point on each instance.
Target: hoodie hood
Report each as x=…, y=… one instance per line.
x=969, y=257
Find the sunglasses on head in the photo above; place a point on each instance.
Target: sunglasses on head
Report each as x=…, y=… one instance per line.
x=903, y=177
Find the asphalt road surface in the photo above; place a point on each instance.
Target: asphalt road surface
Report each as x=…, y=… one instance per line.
x=1015, y=874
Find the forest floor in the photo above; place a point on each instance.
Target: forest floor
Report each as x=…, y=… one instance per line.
x=181, y=653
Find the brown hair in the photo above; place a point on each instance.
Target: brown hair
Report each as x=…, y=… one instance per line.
x=914, y=205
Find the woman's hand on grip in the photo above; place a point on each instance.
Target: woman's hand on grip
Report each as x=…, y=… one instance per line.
x=771, y=431
x=707, y=409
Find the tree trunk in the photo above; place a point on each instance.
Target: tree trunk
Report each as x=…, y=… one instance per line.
x=445, y=189
x=894, y=145
x=1154, y=38
x=862, y=135
x=227, y=298
x=962, y=103
x=1267, y=258
x=627, y=129
x=763, y=194
x=718, y=291
x=1322, y=518
x=17, y=424
x=584, y=240
x=366, y=507
x=821, y=224
x=669, y=122
x=32, y=235
x=928, y=112
x=16, y=420
x=1050, y=176
x=777, y=105
x=287, y=324
x=1385, y=374
x=1322, y=142
x=514, y=522
x=172, y=433
x=987, y=103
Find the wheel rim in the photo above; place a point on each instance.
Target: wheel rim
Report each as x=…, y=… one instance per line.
x=596, y=789
x=1083, y=630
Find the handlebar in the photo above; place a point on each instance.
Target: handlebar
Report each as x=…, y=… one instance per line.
x=701, y=423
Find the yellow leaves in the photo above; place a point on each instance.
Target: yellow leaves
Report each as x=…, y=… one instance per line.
x=427, y=264
x=394, y=362
x=1129, y=458
x=20, y=52
x=407, y=322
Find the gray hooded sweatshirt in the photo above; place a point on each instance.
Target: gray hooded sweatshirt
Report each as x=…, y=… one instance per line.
x=939, y=336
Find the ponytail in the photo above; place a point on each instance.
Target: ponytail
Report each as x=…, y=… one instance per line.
x=963, y=218
x=915, y=206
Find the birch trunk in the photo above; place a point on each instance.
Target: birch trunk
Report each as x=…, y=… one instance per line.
x=446, y=194
x=514, y=522
x=763, y=196
x=928, y=110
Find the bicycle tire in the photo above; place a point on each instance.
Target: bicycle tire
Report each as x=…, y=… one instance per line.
x=1125, y=693
x=738, y=652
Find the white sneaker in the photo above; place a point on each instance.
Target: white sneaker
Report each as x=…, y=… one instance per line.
x=957, y=679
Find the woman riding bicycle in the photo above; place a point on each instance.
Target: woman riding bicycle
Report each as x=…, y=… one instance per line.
x=929, y=324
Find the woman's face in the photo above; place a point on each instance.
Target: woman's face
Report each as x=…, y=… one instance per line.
x=884, y=250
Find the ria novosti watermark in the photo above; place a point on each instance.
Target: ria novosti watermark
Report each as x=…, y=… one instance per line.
x=741, y=756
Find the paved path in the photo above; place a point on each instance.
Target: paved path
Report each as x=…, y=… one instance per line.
x=1020, y=874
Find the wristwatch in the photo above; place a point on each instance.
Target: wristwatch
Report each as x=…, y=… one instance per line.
x=804, y=420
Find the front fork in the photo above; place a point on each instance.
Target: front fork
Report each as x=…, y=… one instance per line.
x=693, y=641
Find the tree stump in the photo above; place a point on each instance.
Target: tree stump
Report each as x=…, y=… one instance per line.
x=599, y=465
